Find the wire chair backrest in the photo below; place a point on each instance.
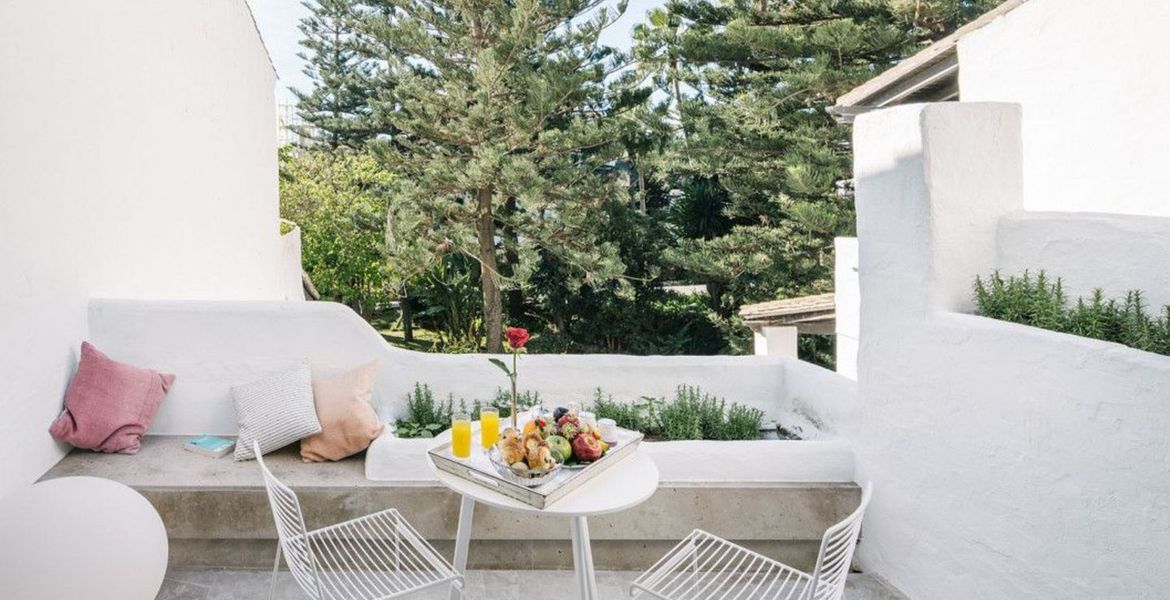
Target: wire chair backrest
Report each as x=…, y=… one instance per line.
x=290, y=529
x=836, y=554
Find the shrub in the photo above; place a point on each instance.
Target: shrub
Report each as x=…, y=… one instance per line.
x=426, y=417
x=1040, y=302
x=642, y=415
x=691, y=415
x=337, y=200
x=743, y=422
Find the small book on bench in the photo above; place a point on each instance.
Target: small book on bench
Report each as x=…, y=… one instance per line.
x=210, y=445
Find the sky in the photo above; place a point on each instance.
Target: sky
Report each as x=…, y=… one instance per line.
x=278, y=20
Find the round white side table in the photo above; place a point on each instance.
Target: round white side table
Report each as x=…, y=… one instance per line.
x=80, y=537
x=623, y=485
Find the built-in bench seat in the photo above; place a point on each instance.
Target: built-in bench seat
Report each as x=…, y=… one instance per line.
x=217, y=514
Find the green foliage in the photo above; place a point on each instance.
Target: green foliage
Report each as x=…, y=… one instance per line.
x=338, y=105
x=425, y=417
x=448, y=298
x=818, y=350
x=503, y=126
x=641, y=415
x=338, y=200
x=691, y=415
x=762, y=74
x=539, y=182
x=1041, y=302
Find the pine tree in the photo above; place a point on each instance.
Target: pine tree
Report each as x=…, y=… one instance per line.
x=933, y=19
x=338, y=106
x=504, y=124
x=763, y=72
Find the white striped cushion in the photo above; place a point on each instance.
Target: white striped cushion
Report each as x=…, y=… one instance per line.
x=275, y=411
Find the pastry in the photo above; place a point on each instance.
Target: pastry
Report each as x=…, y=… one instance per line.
x=512, y=448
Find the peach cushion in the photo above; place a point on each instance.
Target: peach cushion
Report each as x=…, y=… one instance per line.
x=348, y=421
x=109, y=404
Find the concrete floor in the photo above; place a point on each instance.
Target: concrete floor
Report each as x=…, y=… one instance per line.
x=481, y=585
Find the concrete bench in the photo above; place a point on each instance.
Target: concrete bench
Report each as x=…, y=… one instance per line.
x=217, y=514
x=777, y=497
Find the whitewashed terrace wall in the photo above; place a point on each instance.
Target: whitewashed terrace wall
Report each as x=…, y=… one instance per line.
x=136, y=161
x=1008, y=461
x=291, y=269
x=1116, y=253
x=847, y=300
x=212, y=346
x=1091, y=78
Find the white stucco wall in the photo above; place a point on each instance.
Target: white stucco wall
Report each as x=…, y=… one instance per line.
x=1088, y=250
x=847, y=298
x=212, y=346
x=136, y=160
x=1008, y=461
x=1091, y=80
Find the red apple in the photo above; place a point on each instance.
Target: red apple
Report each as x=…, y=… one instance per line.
x=586, y=448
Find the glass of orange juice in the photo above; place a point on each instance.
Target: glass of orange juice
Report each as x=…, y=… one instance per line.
x=489, y=427
x=461, y=436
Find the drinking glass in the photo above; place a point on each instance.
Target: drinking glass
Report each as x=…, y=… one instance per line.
x=461, y=436
x=489, y=426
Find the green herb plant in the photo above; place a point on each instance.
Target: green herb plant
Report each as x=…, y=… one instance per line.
x=426, y=417
x=691, y=415
x=1040, y=301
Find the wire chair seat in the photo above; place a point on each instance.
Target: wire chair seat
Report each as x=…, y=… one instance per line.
x=704, y=566
x=378, y=556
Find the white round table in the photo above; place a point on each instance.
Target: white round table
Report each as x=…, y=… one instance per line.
x=623, y=485
x=80, y=537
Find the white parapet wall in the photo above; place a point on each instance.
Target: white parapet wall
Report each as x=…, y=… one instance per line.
x=212, y=346
x=1116, y=253
x=1008, y=461
x=847, y=299
x=136, y=161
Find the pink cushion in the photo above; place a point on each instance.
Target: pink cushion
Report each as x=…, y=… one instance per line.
x=109, y=405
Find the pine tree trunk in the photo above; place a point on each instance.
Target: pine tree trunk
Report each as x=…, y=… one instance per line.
x=678, y=101
x=514, y=295
x=407, y=318
x=493, y=308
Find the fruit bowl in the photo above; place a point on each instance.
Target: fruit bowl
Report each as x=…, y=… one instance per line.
x=527, y=477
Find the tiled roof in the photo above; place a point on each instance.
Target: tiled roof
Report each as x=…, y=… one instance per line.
x=791, y=310
x=930, y=75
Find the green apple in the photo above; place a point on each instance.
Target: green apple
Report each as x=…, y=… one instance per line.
x=560, y=447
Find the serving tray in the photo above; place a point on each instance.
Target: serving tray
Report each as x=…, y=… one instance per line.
x=479, y=469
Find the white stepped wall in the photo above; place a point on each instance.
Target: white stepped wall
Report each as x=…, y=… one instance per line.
x=1008, y=461
x=137, y=160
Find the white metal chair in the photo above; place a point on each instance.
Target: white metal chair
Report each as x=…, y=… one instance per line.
x=375, y=557
x=706, y=567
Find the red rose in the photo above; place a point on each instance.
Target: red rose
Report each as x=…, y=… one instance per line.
x=517, y=337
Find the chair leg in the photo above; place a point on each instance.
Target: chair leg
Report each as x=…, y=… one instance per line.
x=275, y=570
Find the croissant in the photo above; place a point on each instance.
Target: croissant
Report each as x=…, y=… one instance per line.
x=540, y=458
x=511, y=448
x=532, y=440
